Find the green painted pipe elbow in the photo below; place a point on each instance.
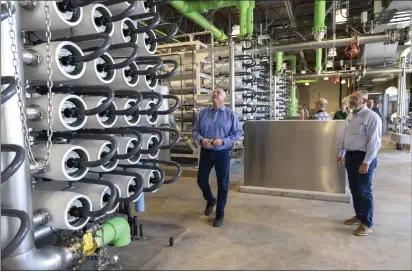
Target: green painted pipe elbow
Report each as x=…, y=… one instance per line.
x=292, y=58
x=115, y=231
x=279, y=61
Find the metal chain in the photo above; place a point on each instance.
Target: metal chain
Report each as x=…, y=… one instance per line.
x=21, y=99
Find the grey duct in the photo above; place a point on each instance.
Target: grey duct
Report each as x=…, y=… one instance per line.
x=355, y=73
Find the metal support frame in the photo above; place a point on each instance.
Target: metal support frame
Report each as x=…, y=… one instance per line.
x=232, y=74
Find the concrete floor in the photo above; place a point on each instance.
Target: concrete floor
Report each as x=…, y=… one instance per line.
x=275, y=233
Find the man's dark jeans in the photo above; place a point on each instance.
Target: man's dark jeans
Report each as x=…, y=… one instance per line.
x=361, y=186
x=221, y=161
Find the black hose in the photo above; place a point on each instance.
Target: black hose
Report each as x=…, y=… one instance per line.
x=21, y=232
x=173, y=131
x=249, y=81
x=244, y=73
x=158, y=104
x=250, y=65
x=123, y=131
x=80, y=3
x=146, y=167
x=10, y=90
x=175, y=107
x=247, y=48
x=169, y=163
x=157, y=63
x=168, y=74
x=125, y=13
x=129, y=60
x=80, y=135
x=98, y=51
x=139, y=185
x=89, y=90
x=15, y=164
x=173, y=28
x=247, y=90
x=110, y=204
x=136, y=95
x=153, y=16
x=150, y=130
x=247, y=105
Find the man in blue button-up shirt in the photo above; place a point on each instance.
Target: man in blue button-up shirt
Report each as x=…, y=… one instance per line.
x=216, y=129
x=360, y=145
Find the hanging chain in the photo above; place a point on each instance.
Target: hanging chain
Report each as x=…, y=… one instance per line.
x=21, y=98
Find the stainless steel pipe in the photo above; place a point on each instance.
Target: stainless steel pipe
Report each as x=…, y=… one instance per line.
x=355, y=73
x=16, y=192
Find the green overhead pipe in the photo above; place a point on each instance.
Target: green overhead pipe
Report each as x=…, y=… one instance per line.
x=318, y=66
x=162, y=34
x=319, y=30
x=279, y=61
x=320, y=15
x=243, y=17
x=249, y=26
x=306, y=81
x=188, y=10
x=115, y=231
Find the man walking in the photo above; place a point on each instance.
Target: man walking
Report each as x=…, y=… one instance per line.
x=216, y=129
x=360, y=145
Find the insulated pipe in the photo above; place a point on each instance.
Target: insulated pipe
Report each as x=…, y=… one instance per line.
x=373, y=38
x=292, y=58
x=320, y=15
x=183, y=8
x=243, y=7
x=279, y=62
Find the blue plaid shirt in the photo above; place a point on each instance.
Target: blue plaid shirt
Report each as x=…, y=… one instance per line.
x=322, y=115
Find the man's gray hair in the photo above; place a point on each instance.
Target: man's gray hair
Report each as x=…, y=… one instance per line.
x=364, y=93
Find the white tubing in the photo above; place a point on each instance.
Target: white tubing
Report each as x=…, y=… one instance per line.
x=88, y=25
x=126, y=120
x=146, y=49
x=140, y=8
x=223, y=68
x=225, y=83
x=148, y=120
x=123, y=182
x=92, y=76
x=61, y=73
x=32, y=20
x=96, y=148
x=145, y=84
x=124, y=143
x=60, y=122
x=96, y=194
x=59, y=203
x=97, y=121
x=149, y=140
x=59, y=167
x=121, y=81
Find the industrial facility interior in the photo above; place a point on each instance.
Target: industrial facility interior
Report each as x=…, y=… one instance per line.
x=99, y=164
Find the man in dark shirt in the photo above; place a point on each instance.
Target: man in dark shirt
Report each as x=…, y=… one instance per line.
x=375, y=109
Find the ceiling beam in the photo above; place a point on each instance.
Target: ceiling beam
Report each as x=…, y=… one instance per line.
x=290, y=9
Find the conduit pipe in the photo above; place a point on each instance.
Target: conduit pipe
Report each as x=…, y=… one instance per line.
x=279, y=61
x=356, y=73
x=319, y=30
x=292, y=58
x=373, y=38
x=249, y=25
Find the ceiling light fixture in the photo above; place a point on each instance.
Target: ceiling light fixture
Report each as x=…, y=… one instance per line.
x=326, y=78
x=303, y=72
x=306, y=83
x=343, y=81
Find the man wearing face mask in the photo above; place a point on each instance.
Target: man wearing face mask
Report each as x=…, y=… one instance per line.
x=360, y=145
x=217, y=128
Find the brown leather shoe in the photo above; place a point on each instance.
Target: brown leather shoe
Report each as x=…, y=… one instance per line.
x=353, y=220
x=362, y=230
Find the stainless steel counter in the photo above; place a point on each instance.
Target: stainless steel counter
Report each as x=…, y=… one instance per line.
x=294, y=155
